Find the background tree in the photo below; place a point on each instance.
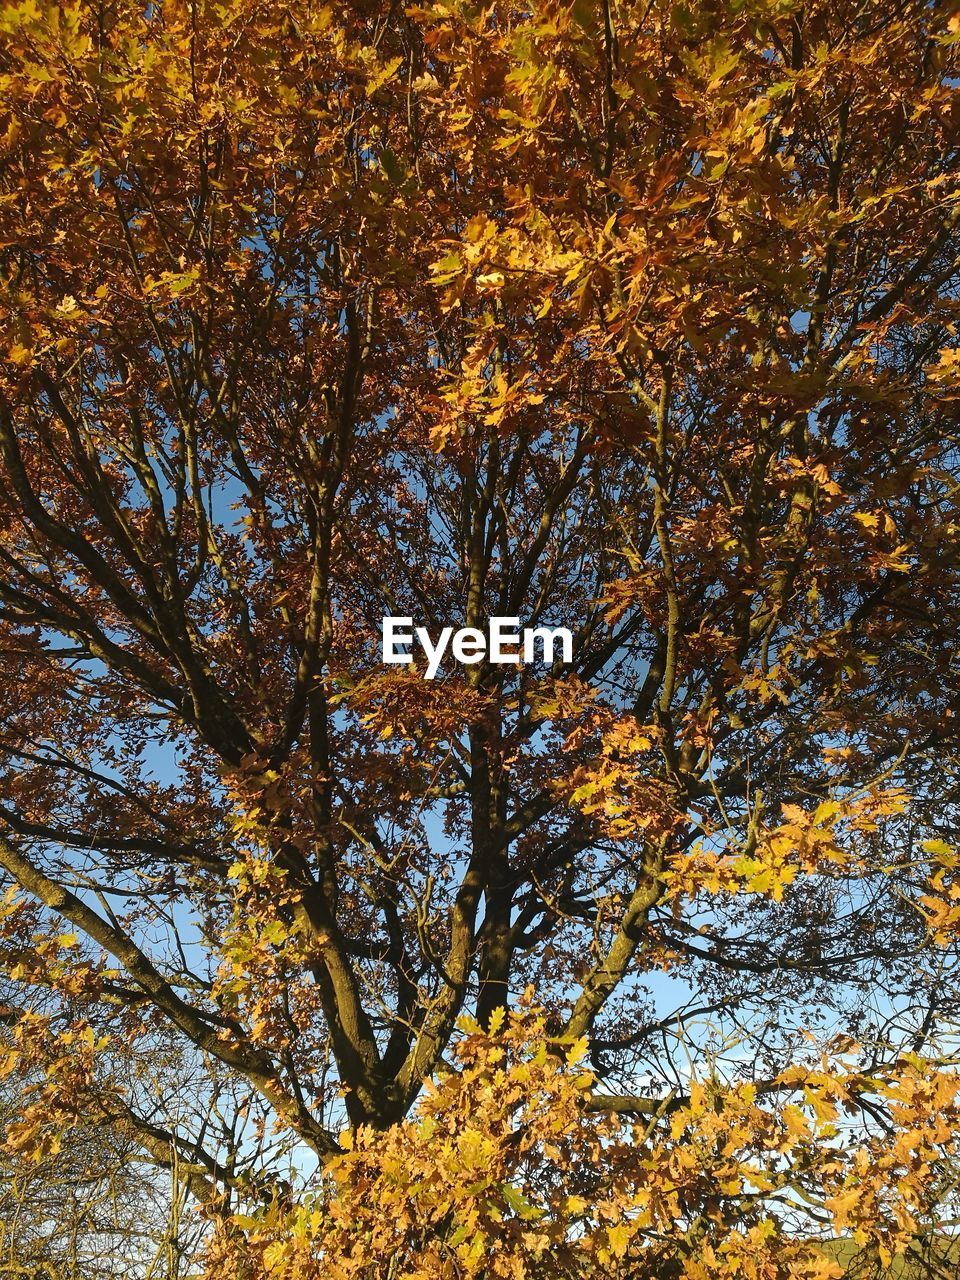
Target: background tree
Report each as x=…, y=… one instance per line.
x=637, y=319
x=92, y=1209
x=104, y=1160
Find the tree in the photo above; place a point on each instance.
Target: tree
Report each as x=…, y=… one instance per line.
x=635, y=319
x=103, y=1162
x=91, y=1209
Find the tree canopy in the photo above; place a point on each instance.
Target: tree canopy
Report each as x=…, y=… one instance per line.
x=634, y=318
